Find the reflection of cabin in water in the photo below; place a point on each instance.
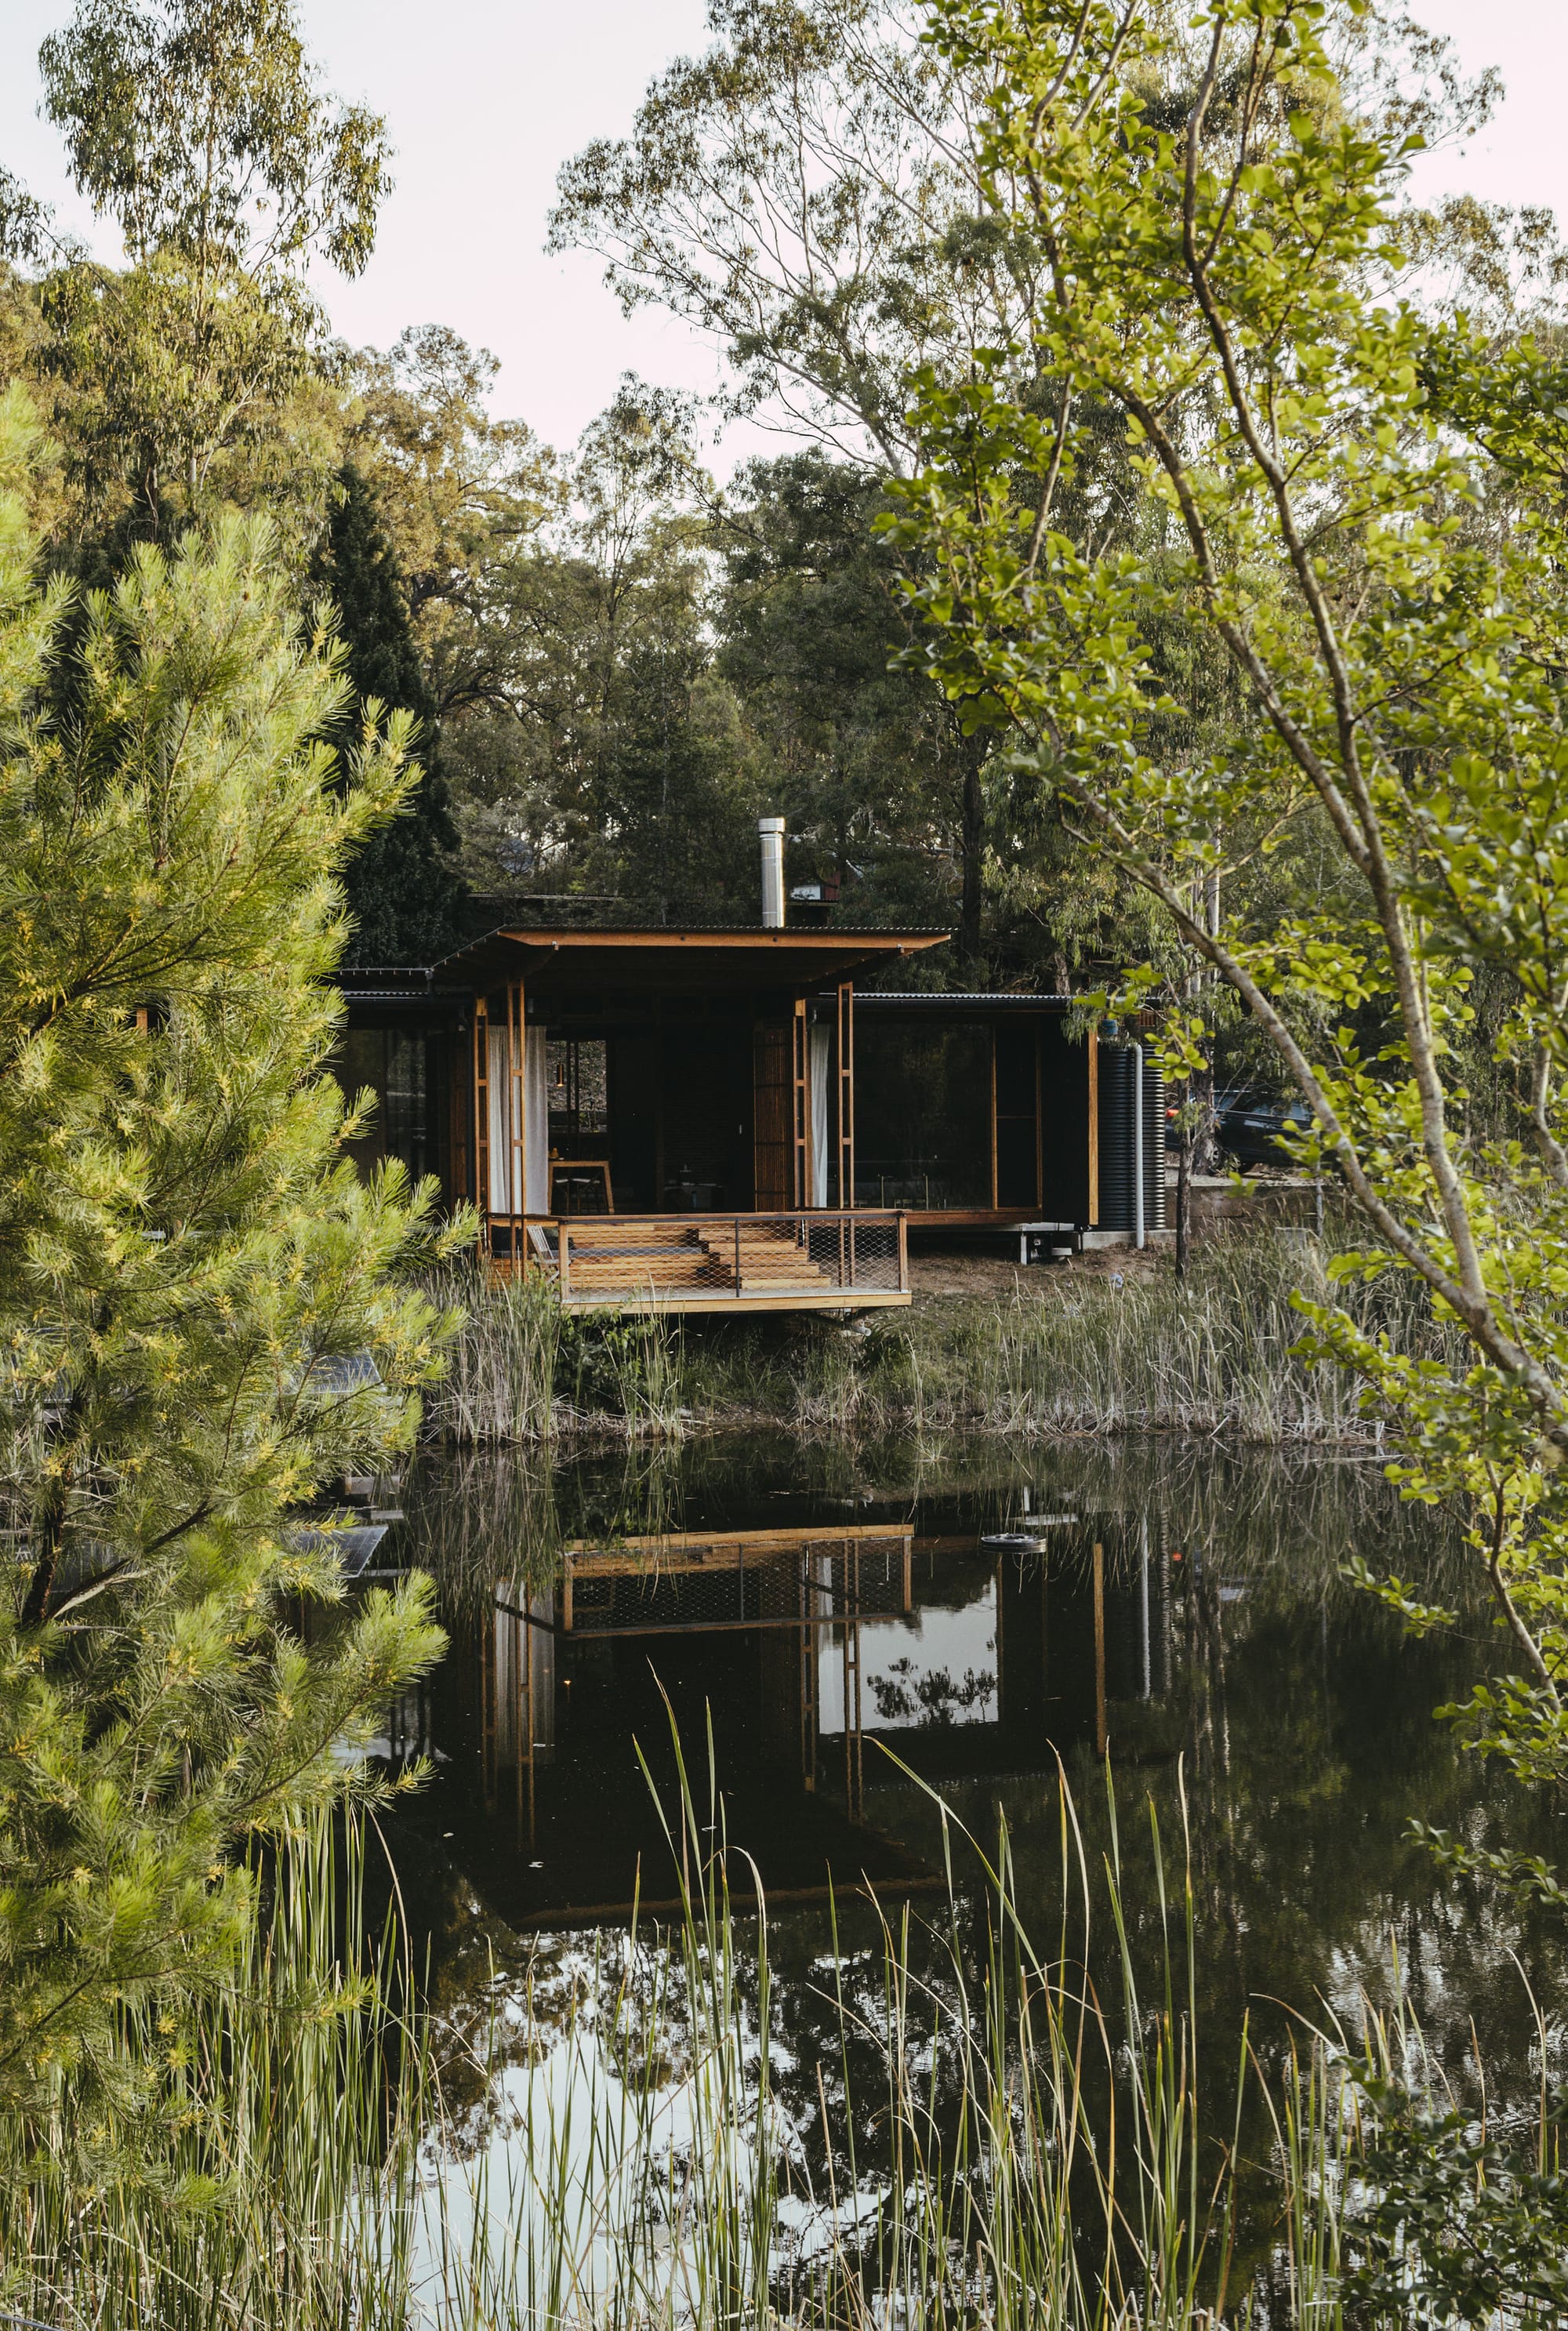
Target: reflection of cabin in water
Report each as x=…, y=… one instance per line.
x=795, y=1651
x=712, y=1119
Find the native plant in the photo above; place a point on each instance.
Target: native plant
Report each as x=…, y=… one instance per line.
x=1359, y=503
x=200, y=1324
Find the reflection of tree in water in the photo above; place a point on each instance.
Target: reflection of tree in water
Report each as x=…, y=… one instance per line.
x=906, y=1694
x=479, y=1518
x=1302, y=1722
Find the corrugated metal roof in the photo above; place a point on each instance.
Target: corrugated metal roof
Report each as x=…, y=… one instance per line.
x=522, y=927
x=944, y=999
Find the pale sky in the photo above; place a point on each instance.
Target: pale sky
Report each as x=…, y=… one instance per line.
x=485, y=99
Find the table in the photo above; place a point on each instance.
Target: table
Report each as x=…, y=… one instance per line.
x=581, y=1174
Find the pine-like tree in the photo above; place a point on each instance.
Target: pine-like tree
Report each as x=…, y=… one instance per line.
x=404, y=891
x=186, y=1255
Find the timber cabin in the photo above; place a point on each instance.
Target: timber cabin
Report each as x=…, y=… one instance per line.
x=713, y=1119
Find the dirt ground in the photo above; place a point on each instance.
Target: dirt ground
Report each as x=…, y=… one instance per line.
x=979, y=1271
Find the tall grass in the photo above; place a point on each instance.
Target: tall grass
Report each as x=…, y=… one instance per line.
x=500, y=1380
x=1024, y=2152
x=1210, y=1353
x=521, y=1368
x=267, y=2170
x=1096, y=1354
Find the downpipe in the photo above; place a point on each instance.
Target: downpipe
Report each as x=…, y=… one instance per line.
x=1137, y=1144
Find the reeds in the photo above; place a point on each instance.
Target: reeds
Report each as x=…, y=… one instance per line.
x=500, y=1380
x=266, y=2174
x=1214, y=1352
x=520, y=1368
x=1102, y=1353
x=1106, y=1353
x=1023, y=2153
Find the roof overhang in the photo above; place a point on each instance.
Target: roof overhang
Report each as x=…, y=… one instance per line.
x=961, y=999
x=679, y=960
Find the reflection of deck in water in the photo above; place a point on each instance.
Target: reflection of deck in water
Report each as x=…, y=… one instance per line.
x=793, y=1650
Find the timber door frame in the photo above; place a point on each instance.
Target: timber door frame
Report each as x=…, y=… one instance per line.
x=846, y=1094
x=481, y=1097
x=800, y=1104
x=514, y=1107
x=517, y=1096
x=773, y=1102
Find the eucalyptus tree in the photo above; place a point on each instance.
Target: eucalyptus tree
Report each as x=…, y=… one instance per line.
x=808, y=194
x=198, y=126
x=1360, y=504
x=619, y=764
x=463, y=497
x=25, y=233
x=200, y=129
x=204, y=1315
x=807, y=616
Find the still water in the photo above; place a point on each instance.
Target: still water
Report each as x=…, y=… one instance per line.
x=866, y=1644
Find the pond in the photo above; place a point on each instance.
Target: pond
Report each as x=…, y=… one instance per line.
x=866, y=1655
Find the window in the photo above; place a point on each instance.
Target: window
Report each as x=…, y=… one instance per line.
x=577, y=1082
x=1017, y=1169
x=923, y=1115
x=393, y=1063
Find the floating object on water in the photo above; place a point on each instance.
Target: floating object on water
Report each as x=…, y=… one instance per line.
x=352, y=1542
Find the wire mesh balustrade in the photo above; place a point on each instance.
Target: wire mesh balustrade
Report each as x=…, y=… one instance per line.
x=711, y=1261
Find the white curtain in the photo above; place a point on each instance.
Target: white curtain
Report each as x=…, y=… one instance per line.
x=820, y=1040
x=535, y=1122
x=499, y=1196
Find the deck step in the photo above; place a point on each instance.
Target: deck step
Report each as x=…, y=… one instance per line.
x=704, y=1262
x=665, y=1257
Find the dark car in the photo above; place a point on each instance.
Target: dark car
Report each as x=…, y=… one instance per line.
x=1251, y=1129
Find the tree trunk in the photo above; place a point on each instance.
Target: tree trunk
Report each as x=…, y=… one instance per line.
x=1202, y=1134
x=48, y=1538
x=972, y=750
x=1184, y=1190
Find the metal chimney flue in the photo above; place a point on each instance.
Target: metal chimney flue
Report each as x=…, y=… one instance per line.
x=772, y=831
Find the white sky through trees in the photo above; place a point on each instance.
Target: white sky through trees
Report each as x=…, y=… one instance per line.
x=485, y=97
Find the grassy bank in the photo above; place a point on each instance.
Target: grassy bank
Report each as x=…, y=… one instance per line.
x=631, y=2145
x=1087, y=1354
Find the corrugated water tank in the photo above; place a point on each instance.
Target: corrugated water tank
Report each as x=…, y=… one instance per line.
x=1118, y=1071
